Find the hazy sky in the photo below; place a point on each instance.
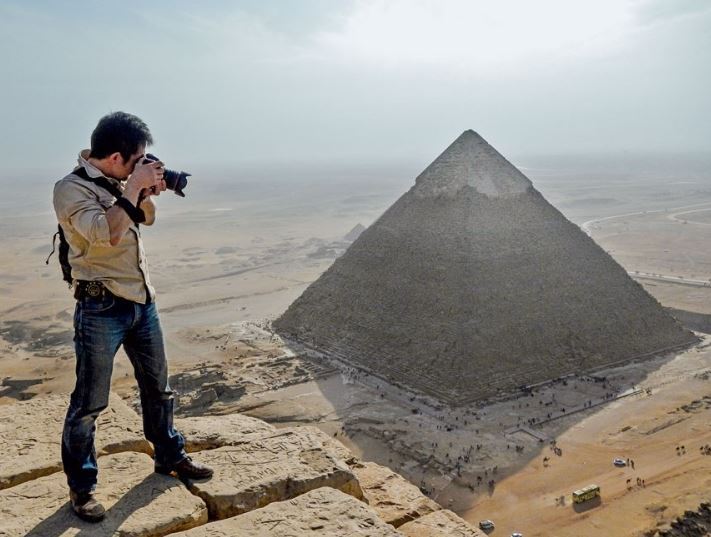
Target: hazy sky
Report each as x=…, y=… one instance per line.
x=369, y=80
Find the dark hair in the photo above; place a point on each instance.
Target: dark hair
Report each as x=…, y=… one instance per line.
x=119, y=132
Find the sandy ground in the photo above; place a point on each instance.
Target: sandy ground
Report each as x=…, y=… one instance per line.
x=230, y=257
x=662, y=432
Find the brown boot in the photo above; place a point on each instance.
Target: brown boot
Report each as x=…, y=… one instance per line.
x=187, y=469
x=86, y=507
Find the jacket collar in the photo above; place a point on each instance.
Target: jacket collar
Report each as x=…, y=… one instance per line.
x=91, y=170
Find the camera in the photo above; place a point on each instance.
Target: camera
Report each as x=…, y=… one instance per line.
x=175, y=181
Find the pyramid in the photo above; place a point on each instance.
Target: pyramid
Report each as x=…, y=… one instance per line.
x=472, y=285
x=354, y=233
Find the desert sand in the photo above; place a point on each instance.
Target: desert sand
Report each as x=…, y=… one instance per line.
x=237, y=251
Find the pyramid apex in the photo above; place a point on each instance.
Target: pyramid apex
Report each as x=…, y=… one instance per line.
x=470, y=135
x=471, y=161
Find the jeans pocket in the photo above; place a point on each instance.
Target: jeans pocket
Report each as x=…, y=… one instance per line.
x=98, y=304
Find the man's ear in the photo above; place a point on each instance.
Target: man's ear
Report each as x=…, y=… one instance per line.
x=116, y=158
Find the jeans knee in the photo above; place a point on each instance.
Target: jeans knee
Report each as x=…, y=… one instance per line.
x=85, y=415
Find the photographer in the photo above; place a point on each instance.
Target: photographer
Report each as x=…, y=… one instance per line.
x=99, y=207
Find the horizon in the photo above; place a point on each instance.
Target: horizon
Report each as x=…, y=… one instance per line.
x=580, y=161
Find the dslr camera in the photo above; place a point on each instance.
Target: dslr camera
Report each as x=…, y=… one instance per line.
x=175, y=181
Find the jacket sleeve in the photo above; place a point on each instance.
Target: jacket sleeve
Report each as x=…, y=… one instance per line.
x=79, y=206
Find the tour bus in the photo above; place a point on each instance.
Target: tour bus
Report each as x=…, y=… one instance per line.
x=585, y=494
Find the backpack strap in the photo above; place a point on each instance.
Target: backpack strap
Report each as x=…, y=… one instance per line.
x=63, y=255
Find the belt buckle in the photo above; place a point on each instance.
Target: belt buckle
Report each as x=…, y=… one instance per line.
x=93, y=289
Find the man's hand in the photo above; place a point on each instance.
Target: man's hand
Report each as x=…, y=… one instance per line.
x=146, y=203
x=145, y=176
x=156, y=190
x=149, y=210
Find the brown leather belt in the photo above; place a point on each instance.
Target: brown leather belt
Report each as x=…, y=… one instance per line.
x=90, y=289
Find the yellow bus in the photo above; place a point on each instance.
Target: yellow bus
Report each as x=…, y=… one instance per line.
x=585, y=494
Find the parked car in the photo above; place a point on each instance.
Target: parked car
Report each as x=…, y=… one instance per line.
x=517, y=534
x=486, y=525
x=619, y=462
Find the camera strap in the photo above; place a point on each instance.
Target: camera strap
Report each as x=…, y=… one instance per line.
x=102, y=182
x=134, y=213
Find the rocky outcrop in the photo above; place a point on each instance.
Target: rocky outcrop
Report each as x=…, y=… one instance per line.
x=395, y=499
x=691, y=524
x=210, y=432
x=257, y=472
x=31, y=431
x=323, y=512
x=267, y=481
x=442, y=523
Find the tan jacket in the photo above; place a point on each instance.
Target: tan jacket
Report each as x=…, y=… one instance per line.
x=81, y=211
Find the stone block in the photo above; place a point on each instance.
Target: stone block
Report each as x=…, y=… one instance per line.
x=323, y=512
x=31, y=431
x=138, y=503
x=272, y=468
x=330, y=444
x=210, y=432
x=395, y=499
x=441, y=523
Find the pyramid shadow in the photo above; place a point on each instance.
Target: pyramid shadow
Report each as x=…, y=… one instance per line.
x=464, y=488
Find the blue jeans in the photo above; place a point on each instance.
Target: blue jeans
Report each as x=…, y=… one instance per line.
x=101, y=326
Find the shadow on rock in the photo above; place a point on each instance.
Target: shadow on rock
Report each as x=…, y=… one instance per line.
x=64, y=519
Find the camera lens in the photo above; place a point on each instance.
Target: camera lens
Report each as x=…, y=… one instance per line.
x=175, y=181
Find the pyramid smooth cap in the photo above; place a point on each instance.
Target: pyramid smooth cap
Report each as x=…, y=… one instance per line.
x=471, y=161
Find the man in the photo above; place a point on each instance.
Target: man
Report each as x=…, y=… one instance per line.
x=99, y=206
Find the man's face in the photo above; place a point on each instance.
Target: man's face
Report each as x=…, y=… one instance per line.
x=125, y=168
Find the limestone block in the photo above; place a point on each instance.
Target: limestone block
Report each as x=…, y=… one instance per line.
x=395, y=499
x=441, y=523
x=31, y=431
x=323, y=512
x=138, y=503
x=333, y=446
x=268, y=469
x=210, y=432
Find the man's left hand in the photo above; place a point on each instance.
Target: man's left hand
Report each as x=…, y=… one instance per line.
x=156, y=190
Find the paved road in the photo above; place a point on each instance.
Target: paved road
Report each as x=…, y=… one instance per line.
x=669, y=279
x=586, y=226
